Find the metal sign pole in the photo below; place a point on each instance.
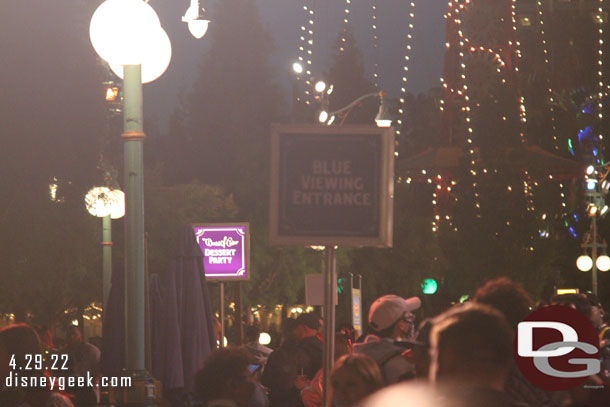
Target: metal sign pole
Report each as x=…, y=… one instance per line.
x=330, y=286
x=222, y=315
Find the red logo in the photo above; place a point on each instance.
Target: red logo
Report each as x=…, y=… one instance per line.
x=557, y=348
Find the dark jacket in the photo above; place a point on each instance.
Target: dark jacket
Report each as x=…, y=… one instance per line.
x=279, y=374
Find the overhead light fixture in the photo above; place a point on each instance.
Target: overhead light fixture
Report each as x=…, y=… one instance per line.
x=323, y=117
x=591, y=184
x=383, y=118
x=197, y=19
x=590, y=169
x=297, y=67
x=320, y=86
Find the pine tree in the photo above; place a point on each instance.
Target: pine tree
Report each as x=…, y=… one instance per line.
x=348, y=77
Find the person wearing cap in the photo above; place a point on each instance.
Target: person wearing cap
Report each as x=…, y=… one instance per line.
x=392, y=319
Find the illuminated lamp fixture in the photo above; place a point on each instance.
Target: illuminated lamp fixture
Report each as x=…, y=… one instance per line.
x=591, y=184
x=590, y=170
x=604, y=210
x=592, y=209
x=197, y=19
x=320, y=86
x=323, y=116
x=584, y=263
x=383, y=118
x=603, y=262
x=297, y=67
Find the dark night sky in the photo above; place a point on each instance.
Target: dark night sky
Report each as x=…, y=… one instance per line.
x=284, y=19
x=31, y=29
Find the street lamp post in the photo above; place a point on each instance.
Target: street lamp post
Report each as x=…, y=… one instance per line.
x=107, y=204
x=128, y=35
x=596, y=208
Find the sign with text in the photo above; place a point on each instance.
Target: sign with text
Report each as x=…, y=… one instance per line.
x=357, y=310
x=332, y=185
x=226, y=250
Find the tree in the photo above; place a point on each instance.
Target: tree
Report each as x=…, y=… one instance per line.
x=52, y=121
x=348, y=77
x=222, y=132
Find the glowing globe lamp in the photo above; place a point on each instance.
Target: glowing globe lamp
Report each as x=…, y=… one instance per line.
x=157, y=53
x=264, y=338
x=603, y=263
x=584, y=263
x=120, y=29
x=429, y=286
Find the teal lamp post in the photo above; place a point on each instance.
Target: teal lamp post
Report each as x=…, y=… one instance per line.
x=107, y=204
x=128, y=35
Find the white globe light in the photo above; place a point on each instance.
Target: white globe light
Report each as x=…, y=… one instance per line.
x=603, y=263
x=320, y=86
x=119, y=28
x=584, y=263
x=323, y=116
x=156, y=57
x=297, y=67
x=97, y=201
x=117, y=198
x=264, y=338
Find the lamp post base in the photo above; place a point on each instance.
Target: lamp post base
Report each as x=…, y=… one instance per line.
x=144, y=391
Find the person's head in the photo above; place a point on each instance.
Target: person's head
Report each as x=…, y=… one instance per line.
x=18, y=340
x=507, y=296
x=253, y=333
x=354, y=377
x=392, y=316
x=577, y=301
x=343, y=346
x=75, y=335
x=307, y=325
x=471, y=345
x=596, y=315
x=225, y=375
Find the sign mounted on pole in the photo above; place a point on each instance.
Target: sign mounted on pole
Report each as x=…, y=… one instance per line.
x=226, y=250
x=332, y=185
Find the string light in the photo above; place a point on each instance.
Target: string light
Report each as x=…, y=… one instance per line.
x=600, y=61
x=346, y=15
x=550, y=98
x=305, y=51
x=405, y=66
x=375, y=44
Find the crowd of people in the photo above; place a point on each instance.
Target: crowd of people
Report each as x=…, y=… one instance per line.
x=31, y=367
x=462, y=357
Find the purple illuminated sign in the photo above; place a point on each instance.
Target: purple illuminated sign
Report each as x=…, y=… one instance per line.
x=226, y=250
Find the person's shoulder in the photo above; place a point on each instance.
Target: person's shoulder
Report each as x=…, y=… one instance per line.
x=58, y=400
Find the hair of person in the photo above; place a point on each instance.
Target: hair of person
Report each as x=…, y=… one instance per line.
x=507, y=296
x=310, y=320
x=576, y=301
x=342, y=345
x=20, y=340
x=361, y=365
x=387, y=332
x=478, y=337
x=253, y=333
x=222, y=366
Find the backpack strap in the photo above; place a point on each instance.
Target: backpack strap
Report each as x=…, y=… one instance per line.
x=603, y=332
